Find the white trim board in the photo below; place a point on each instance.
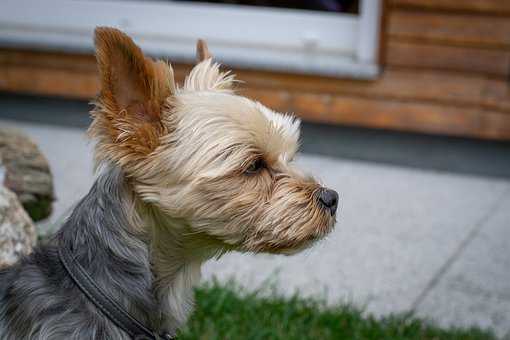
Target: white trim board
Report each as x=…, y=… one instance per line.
x=252, y=37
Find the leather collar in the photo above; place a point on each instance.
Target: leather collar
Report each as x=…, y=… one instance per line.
x=105, y=303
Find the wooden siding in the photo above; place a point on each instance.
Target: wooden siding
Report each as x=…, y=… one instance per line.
x=446, y=40
x=482, y=30
x=446, y=72
x=448, y=58
x=498, y=7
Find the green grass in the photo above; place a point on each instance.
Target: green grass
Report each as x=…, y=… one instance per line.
x=228, y=312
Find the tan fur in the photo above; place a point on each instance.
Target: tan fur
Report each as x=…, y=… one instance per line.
x=127, y=118
x=188, y=152
x=203, y=51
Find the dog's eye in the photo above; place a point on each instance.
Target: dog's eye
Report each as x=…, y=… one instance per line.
x=255, y=166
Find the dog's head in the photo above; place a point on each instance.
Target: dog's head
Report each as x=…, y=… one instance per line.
x=204, y=155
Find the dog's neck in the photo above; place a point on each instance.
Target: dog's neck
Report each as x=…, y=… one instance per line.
x=177, y=254
x=147, y=261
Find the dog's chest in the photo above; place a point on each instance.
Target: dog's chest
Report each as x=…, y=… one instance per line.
x=177, y=298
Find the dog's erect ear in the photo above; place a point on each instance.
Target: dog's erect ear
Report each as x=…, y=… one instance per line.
x=202, y=51
x=129, y=80
x=134, y=90
x=206, y=75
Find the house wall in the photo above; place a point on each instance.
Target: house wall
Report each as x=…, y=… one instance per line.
x=446, y=71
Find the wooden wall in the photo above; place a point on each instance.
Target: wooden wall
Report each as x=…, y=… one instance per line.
x=446, y=71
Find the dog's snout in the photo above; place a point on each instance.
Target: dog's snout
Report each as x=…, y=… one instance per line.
x=329, y=199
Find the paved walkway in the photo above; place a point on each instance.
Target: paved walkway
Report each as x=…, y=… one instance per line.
x=406, y=239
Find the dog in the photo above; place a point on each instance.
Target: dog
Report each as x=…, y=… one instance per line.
x=184, y=174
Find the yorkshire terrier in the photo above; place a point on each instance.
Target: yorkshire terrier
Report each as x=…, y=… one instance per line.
x=184, y=174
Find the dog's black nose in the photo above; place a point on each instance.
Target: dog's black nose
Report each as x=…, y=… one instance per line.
x=329, y=199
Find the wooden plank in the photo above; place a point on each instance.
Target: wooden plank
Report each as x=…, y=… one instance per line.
x=48, y=59
x=413, y=116
x=495, y=125
x=450, y=29
x=450, y=88
x=498, y=7
x=53, y=82
x=420, y=117
x=463, y=59
x=397, y=115
x=496, y=95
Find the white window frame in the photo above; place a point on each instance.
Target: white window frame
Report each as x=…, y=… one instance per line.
x=253, y=37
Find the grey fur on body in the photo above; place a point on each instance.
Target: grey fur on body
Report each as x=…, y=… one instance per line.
x=39, y=301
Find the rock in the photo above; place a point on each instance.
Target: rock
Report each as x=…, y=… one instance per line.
x=27, y=173
x=17, y=231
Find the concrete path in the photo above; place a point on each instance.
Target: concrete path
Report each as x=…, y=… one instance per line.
x=407, y=239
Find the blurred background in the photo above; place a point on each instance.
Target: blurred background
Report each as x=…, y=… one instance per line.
x=406, y=111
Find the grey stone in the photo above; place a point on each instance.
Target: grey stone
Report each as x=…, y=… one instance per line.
x=70, y=157
x=27, y=172
x=17, y=232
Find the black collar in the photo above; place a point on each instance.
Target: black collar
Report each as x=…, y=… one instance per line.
x=109, y=307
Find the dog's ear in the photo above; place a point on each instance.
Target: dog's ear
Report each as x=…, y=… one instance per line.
x=202, y=51
x=134, y=92
x=206, y=75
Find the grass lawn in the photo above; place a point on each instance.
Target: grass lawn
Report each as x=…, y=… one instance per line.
x=228, y=312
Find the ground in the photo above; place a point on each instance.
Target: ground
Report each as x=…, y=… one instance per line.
x=431, y=237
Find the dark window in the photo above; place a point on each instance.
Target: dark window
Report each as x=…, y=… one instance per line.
x=338, y=6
